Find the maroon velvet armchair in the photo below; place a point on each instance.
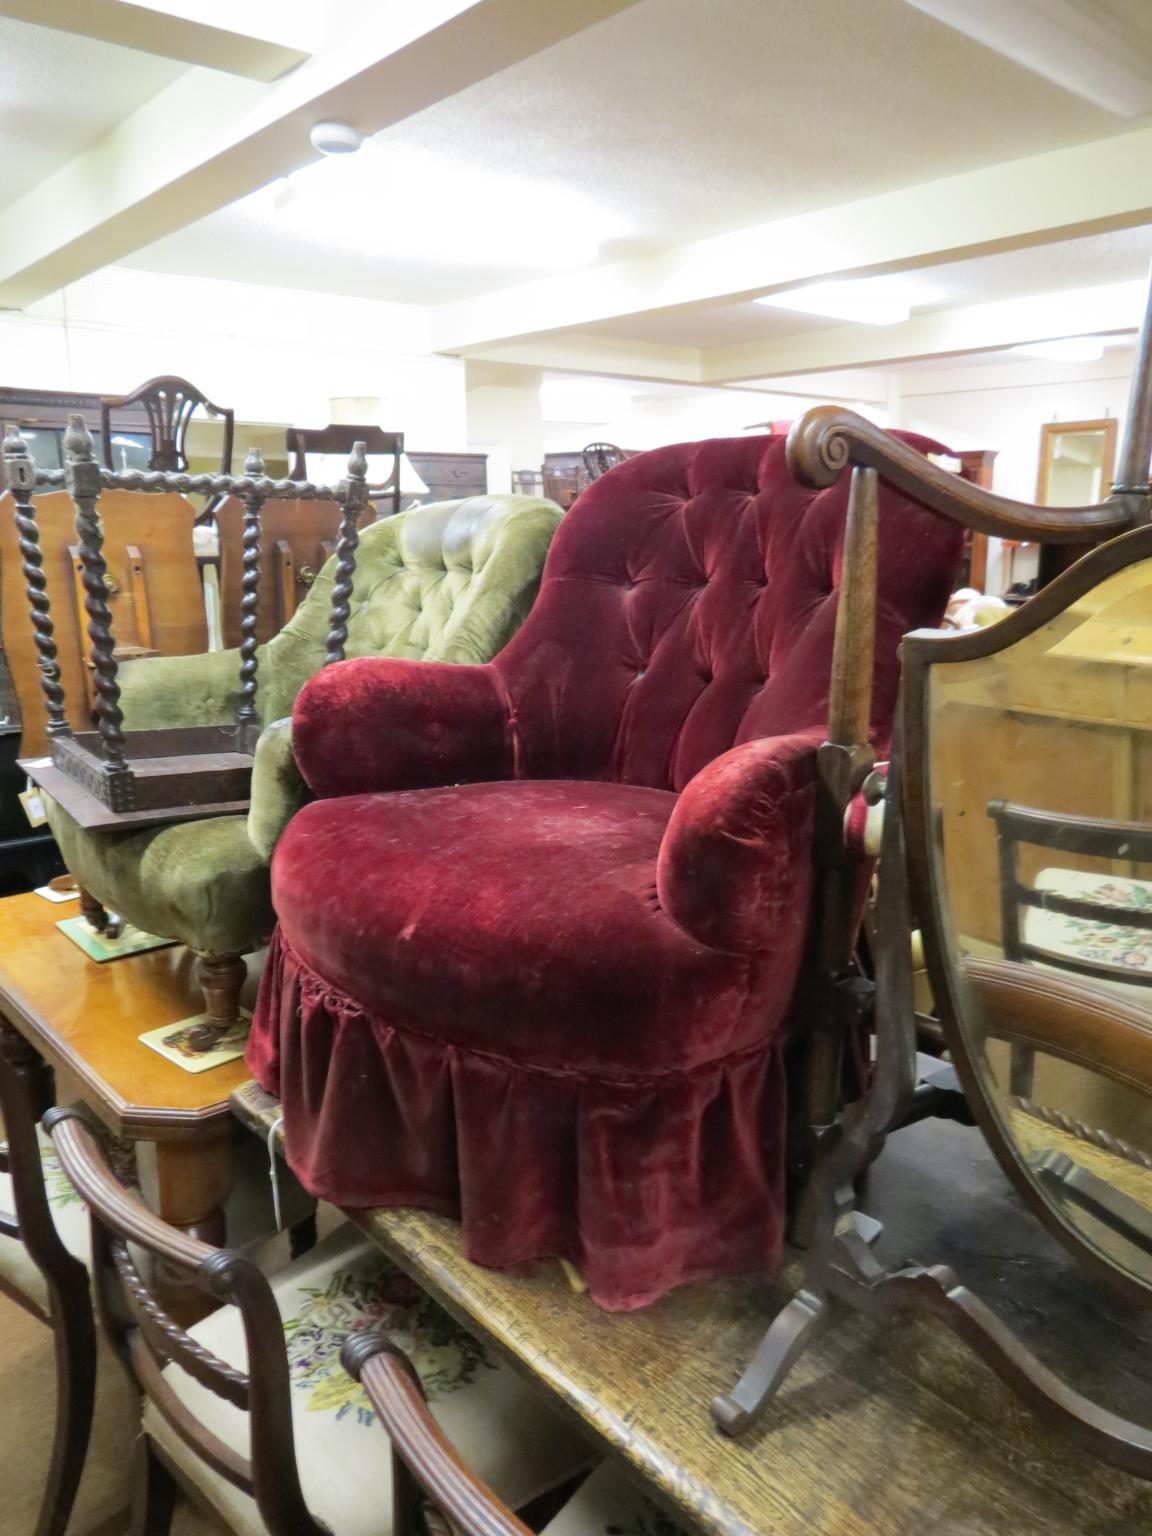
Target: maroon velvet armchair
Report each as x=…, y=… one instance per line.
x=541, y=932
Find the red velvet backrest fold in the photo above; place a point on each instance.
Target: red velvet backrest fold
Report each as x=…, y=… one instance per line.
x=688, y=604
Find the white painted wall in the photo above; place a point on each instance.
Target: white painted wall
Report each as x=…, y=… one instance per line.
x=1004, y=405
x=649, y=419
x=273, y=354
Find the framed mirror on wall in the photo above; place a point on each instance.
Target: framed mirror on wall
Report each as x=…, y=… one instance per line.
x=1077, y=459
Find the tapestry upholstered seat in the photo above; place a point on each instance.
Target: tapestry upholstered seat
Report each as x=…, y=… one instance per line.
x=448, y=582
x=540, y=933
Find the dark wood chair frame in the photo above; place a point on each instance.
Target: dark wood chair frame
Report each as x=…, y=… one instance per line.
x=1044, y=1013
x=301, y=441
x=426, y=1467
x=26, y=1092
x=145, y=1339
x=169, y=403
x=1016, y=824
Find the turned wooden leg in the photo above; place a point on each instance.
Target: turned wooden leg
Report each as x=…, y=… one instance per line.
x=221, y=977
x=92, y=910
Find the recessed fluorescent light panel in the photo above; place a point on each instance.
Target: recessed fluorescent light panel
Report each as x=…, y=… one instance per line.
x=864, y=300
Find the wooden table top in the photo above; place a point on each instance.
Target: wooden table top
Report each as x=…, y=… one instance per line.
x=885, y=1428
x=85, y=1017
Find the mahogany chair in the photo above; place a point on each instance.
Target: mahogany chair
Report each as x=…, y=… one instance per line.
x=169, y=403
x=43, y=1265
x=249, y=1411
x=303, y=442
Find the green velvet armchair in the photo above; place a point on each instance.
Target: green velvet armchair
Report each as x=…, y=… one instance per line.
x=447, y=582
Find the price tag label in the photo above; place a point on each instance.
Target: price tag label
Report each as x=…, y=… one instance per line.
x=33, y=803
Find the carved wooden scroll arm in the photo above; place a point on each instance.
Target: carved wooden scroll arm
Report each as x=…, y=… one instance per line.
x=827, y=439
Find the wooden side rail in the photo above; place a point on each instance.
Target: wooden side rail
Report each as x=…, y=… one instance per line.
x=424, y=1459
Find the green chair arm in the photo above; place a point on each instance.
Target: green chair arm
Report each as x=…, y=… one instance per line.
x=278, y=790
x=161, y=691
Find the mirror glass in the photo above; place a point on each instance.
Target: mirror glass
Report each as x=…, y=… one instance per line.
x=1076, y=459
x=1039, y=776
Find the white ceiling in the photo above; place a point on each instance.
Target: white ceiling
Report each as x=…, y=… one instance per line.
x=1121, y=256
x=669, y=122
x=59, y=93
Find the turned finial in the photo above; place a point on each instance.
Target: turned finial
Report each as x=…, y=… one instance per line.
x=14, y=445
x=358, y=462
x=78, y=441
x=254, y=464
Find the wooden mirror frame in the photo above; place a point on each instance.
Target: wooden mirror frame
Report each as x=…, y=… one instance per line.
x=1054, y=429
x=840, y=1268
x=923, y=651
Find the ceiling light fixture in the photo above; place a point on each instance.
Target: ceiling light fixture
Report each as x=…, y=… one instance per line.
x=1058, y=40
x=864, y=300
x=336, y=138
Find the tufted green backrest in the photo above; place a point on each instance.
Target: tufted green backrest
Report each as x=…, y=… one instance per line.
x=451, y=581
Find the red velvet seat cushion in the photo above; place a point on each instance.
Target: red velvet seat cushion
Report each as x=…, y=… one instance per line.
x=479, y=986
x=521, y=918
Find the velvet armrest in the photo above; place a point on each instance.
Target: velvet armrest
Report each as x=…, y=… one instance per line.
x=278, y=790
x=160, y=691
x=735, y=863
x=377, y=723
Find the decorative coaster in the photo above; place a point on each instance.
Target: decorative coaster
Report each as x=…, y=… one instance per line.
x=171, y=1041
x=50, y=895
x=97, y=946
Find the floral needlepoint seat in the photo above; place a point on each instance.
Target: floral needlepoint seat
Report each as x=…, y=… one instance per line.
x=498, y=1424
x=540, y=934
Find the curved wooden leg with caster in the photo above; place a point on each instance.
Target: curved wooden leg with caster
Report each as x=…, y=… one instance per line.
x=221, y=978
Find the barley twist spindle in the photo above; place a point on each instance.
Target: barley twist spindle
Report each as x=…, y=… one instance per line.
x=250, y=585
x=83, y=481
x=19, y=475
x=352, y=494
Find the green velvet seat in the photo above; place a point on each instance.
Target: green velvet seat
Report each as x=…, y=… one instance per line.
x=447, y=582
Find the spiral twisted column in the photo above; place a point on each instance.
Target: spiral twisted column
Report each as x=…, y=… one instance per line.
x=19, y=475
x=253, y=499
x=83, y=481
x=352, y=494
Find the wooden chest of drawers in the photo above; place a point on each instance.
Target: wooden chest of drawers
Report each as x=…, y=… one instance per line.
x=449, y=476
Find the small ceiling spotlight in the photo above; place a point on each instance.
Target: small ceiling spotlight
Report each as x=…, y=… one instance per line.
x=336, y=138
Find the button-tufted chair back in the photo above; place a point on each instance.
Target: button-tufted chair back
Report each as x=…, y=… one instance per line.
x=688, y=604
x=435, y=583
